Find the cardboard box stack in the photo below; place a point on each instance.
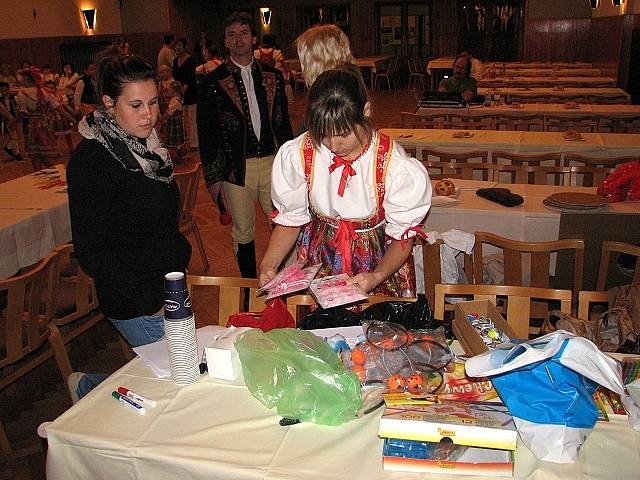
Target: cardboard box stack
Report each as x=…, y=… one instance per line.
x=452, y=437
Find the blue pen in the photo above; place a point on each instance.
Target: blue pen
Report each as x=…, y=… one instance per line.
x=128, y=402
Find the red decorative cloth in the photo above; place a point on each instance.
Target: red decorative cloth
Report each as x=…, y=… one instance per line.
x=342, y=243
x=347, y=171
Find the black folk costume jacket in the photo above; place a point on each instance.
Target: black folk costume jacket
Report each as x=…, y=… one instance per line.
x=225, y=131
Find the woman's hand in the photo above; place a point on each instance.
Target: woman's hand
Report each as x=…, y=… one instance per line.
x=266, y=275
x=367, y=281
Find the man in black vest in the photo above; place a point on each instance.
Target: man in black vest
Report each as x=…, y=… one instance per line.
x=242, y=121
x=85, y=99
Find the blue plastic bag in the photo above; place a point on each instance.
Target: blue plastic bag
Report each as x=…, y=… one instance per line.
x=547, y=385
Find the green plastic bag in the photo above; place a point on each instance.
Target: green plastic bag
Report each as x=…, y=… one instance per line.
x=299, y=374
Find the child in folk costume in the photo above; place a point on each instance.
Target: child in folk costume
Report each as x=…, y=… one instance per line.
x=173, y=122
x=348, y=194
x=62, y=117
x=36, y=102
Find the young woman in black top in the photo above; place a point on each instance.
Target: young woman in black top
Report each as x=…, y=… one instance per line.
x=123, y=200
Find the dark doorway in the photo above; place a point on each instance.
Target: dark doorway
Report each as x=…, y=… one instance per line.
x=633, y=80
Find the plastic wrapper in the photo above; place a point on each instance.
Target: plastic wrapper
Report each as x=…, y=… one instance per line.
x=300, y=375
x=548, y=386
x=623, y=183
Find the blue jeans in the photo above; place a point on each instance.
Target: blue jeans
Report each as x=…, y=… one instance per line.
x=136, y=331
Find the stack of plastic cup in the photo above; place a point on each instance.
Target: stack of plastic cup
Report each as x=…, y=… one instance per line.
x=180, y=330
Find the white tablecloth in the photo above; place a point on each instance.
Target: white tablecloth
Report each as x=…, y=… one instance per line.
x=567, y=92
x=32, y=223
x=209, y=430
x=548, y=80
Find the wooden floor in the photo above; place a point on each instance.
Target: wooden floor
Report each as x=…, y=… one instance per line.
x=42, y=396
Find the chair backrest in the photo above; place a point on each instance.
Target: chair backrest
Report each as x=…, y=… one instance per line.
x=520, y=123
x=563, y=124
x=558, y=175
x=466, y=171
x=571, y=159
x=586, y=299
x=188, y=185
x=518, y=301
x=609, y=247
x=629, y=125
x=609, y=99
x=475, y=156
x=82, y=287
x=473, y=121
x=230, y=295
x=24, y=322
x=539, y=253
x=541, y=98
x=295, y=301
x=415, y=120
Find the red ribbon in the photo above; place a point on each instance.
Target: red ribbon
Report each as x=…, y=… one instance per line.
x=342, y=243
x=347, y=171
x=404, y=238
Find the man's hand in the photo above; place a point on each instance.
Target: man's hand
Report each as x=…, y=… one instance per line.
x=467, y=95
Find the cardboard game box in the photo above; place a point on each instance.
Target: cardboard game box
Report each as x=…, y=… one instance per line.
x=445, y=458
x=475, y=424
x=467, y=335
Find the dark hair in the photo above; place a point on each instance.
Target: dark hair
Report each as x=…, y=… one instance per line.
x=167, y=39
x=73, y=69
x=114, y=71
x=468, y=68
x=4, y=85
x=269, y=41
x=183, y=41
x=242, y=18
x=336, y=103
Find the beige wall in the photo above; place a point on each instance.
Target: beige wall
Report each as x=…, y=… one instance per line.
x=56, y=18
x=141, y=16
x=539, y=9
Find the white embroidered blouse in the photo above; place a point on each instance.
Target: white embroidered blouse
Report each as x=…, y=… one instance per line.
x=407, y=188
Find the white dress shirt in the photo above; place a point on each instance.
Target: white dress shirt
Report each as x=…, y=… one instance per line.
x=254, y=109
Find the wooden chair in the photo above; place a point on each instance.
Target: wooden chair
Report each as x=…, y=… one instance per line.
x=296, y=301
x=609, y=99
x=418, y=120
x=586, y=299
x=188, y=186
x=519, y=123
x=416, y=73
x=474, y=157
x=609, y=247
x=554, y=175
x=30, y=307
x=470, y=121
x=629, y=125
x=539, y=254
x=232, y=291
x=522, y=160
x=76, y=309
x=563, y=124
x=576, y=159
x=518, y=302
x=542, y=98
x=466, y=171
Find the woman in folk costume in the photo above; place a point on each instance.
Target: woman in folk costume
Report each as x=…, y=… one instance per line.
x=36, y=102
x=348, y=194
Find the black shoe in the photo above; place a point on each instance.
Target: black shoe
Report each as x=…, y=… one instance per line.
x=14, y=156
x=246, y=257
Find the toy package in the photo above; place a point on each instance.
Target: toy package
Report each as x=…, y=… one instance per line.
x=334, y=291
x=290, y=279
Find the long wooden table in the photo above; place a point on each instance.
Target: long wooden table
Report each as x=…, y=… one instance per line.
x=33, y=222
x=547, y=80
x=536, y=72
x=212, y=429
x=524, y=93
x=605, y=145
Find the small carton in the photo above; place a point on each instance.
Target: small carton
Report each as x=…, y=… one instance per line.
x=467, y=335
x=222, y=357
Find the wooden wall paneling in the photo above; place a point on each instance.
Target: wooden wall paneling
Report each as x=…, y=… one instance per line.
x=605, y=44
x=444, y=24
x=363, y=34
x=564, y=40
